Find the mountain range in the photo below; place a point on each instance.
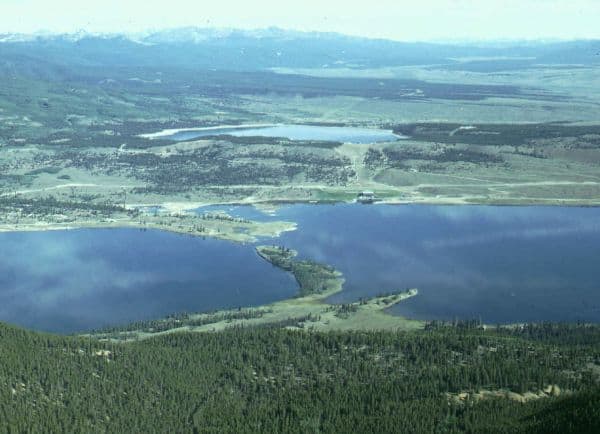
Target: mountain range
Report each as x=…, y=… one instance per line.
x=247, y=50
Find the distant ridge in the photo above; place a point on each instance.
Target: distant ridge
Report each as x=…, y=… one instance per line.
x=202, y=34
x=252, y=50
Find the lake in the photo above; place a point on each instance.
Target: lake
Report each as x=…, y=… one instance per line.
x=500, y=264
x=68, y=281
x=292, y=132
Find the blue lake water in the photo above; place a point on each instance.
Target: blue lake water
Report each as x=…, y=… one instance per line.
x=500, y=264
x=296, y=132
x=68, y=281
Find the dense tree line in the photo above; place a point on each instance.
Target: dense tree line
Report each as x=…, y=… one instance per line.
x=184, y=320
x=263, y=140
x=50, y=205
x=274, y=380
x=499, y=134
x=219, y=164
x=397, y=157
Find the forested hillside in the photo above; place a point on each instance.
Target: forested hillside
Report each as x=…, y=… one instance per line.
x=444, y=379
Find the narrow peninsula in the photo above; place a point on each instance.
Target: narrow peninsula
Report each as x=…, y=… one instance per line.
x=310, y=310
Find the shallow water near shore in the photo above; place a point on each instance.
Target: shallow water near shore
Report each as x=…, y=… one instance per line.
x=500, y=264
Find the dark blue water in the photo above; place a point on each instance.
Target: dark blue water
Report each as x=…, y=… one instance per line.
x=500, y=264
x=71, y=281
x=297, y=132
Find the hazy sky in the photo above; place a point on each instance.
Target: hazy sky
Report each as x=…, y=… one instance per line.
x=394, y=19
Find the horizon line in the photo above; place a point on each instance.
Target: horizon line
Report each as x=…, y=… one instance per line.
x=156, y=30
